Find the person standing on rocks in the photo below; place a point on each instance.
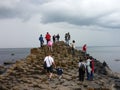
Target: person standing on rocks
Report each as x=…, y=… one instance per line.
x=82, y=69
x=57, y=37
x=88, y=68
x=49, y=65
x=41, y=40
x=73, y=47
x=67, y=38
x=84, y=49
x=92, y=68
x=50, y=44
x=48, y=37
x=54, y=38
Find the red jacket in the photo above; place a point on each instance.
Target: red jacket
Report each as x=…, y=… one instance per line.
x=92, y=65
x=84, y=48
x=47, y=36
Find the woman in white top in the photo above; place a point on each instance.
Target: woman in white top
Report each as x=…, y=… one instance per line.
x=88, y=68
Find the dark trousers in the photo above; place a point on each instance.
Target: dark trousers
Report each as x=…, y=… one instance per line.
x=81, y=75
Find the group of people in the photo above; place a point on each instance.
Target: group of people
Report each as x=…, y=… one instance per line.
x=67, y=38
x=55, y=38
x=49, y=42
x=86, y=68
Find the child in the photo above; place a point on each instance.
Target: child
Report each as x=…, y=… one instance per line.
x=59, y=72
x=50, y=43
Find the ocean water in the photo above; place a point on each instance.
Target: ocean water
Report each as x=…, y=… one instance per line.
x=109, y=54
x=13, y=54
x=101, y=53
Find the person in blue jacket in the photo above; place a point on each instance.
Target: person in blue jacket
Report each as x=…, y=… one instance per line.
x=41, y=40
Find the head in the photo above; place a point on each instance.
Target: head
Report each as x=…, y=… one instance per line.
x=80, y=60
x=73, y=41
x=48, y=54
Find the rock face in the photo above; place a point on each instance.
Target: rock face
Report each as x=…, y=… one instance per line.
x=29, y=74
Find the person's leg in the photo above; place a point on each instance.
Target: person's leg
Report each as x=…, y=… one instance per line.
x=50, y=75
x=91, y=76
x=51, y=71
x=88, y=78
x=60, y=76
x=51, y=48
x=79, y=74
x=41, y=43
x=48, y=72
x=88, y=75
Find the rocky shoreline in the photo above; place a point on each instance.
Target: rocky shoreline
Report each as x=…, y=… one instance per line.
x=28, y=74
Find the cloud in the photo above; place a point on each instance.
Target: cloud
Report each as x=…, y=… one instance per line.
x=23, y=9
x=102, y=13
x=81, y=12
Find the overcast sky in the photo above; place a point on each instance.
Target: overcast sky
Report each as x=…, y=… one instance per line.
x=94, y=22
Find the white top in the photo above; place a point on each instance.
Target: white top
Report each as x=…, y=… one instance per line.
x=49, y=60
x=88, y=65
x=88, y=62
x=72, y=45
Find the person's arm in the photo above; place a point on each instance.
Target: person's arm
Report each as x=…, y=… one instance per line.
x=54, y=64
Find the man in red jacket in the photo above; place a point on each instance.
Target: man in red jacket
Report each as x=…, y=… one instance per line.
x=48, y=37
x=84, y=49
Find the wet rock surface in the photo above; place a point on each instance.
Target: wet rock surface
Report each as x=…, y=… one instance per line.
x=29, y=74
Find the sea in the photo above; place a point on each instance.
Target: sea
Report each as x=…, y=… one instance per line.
x=109, y=54
x=13, y=54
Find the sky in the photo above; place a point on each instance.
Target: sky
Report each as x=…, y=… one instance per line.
x=91, y=22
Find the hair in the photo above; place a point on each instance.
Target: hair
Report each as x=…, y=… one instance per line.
x=73, y=41
x=80, y=60
x=48, y=53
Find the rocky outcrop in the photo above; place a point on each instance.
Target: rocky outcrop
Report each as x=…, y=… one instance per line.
x=2, y=69
x=28, y=74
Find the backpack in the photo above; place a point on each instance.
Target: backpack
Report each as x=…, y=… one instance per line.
x=45, y=65
x=82, y=67
x=59, y=71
